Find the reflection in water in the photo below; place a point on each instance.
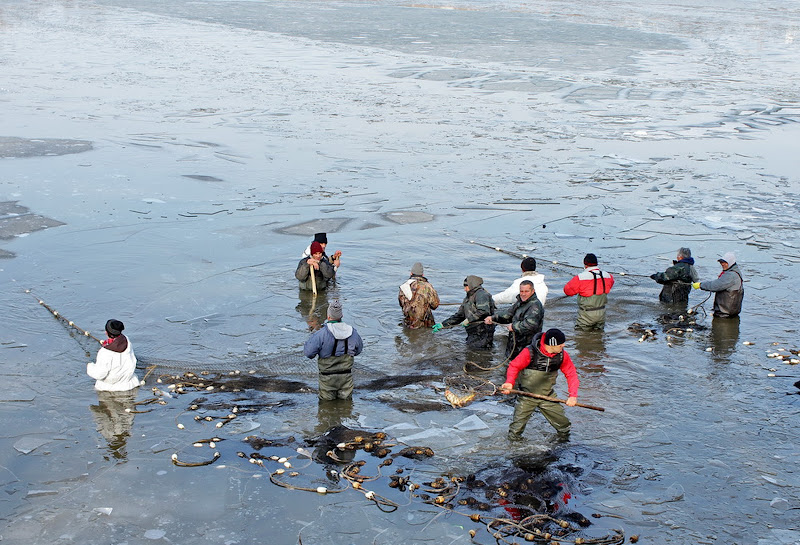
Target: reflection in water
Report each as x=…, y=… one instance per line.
x=313, y=309
x=330, y=414
x=333, y=413
x=113, y=421
x=724, y=336
x=590, y=349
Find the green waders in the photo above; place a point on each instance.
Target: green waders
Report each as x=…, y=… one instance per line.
x=335, y=377
x=592, y=312
x=541, y=383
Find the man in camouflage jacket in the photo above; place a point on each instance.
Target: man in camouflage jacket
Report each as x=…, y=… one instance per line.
x=417, y=298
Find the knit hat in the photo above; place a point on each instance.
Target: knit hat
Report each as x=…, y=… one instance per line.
x=554, y=337
x=528, y=264
x=729, y=258
x=473, y=281
x=590, y=259
x=316, y=247
x=416, y=268
x=335, y=310
x=322, y=238
x=114, y=327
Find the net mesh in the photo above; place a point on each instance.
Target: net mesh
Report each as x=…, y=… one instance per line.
x=461, y=390
x=276, y=364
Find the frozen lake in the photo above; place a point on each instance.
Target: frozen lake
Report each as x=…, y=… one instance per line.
x=166, y=164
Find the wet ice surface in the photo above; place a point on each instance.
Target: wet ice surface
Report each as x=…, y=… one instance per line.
x=223, y=137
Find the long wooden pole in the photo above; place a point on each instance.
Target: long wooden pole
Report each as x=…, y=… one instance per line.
x=553, y=399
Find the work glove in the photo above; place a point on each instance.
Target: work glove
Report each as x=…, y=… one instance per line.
x=437, y=327
x=696, y=285
x=653, y=276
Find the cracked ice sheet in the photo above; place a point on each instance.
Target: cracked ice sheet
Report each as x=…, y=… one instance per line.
x=439, y=437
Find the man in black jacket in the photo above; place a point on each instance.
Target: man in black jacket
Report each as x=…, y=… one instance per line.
x=523, y=318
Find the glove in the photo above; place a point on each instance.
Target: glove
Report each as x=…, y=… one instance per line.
x=696, y=285
x=437, y=327
x=653, y=276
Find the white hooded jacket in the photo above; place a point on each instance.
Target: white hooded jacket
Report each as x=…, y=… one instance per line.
x=509, y=296
x=114, y=371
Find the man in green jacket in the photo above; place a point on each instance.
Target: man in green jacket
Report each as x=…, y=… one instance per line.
x=477, y=305
x=678, y=279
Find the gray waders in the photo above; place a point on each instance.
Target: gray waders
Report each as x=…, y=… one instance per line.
x=336, y=375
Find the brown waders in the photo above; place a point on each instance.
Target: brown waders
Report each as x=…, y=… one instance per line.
x=537, y=382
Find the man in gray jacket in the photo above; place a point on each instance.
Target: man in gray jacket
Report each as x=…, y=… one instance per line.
x=474, y=309
x=729, y=288
x=336, y=344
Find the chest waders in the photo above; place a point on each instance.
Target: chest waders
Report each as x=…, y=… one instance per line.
x=336, y=374
x=728, y=303
x=677, y=290
x=538, y=378
x=592, y=309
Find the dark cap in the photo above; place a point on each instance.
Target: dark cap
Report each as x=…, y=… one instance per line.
x=528, y=264
x=114, y=328
x=554, y=337
x=322, y=238
x=590, y=259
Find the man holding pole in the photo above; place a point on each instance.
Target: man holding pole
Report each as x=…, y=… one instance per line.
x=536, y=368
x=314, y=272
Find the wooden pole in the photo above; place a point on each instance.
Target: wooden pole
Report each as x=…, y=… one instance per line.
x=553, y=399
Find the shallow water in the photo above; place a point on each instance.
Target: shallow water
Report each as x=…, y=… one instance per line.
x=217, y=137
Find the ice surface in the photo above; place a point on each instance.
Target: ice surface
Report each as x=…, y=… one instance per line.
x=28, y=444
x=471, y=423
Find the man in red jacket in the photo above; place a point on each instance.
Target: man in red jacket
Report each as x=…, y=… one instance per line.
x=536, y=369
x=591, y=286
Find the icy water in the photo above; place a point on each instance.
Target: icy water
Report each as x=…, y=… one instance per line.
x=167, y=163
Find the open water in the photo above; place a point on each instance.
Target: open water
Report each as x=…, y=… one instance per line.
x=167, y=163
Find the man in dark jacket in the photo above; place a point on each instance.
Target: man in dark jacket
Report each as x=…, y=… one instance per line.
x=678, y=279
x=729, y=288
x=477, y=305
x=523, y=319
x=336, y=344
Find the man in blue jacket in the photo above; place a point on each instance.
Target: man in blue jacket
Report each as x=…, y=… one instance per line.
x=336, y=344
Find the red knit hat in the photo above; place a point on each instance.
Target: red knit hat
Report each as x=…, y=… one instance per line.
x=316, y=247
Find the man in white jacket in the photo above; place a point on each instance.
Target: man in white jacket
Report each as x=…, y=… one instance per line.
x=509, y=296
x=115, y=368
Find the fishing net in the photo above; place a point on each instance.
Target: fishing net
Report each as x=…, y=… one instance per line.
x=462, y=390
x=275, y=364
